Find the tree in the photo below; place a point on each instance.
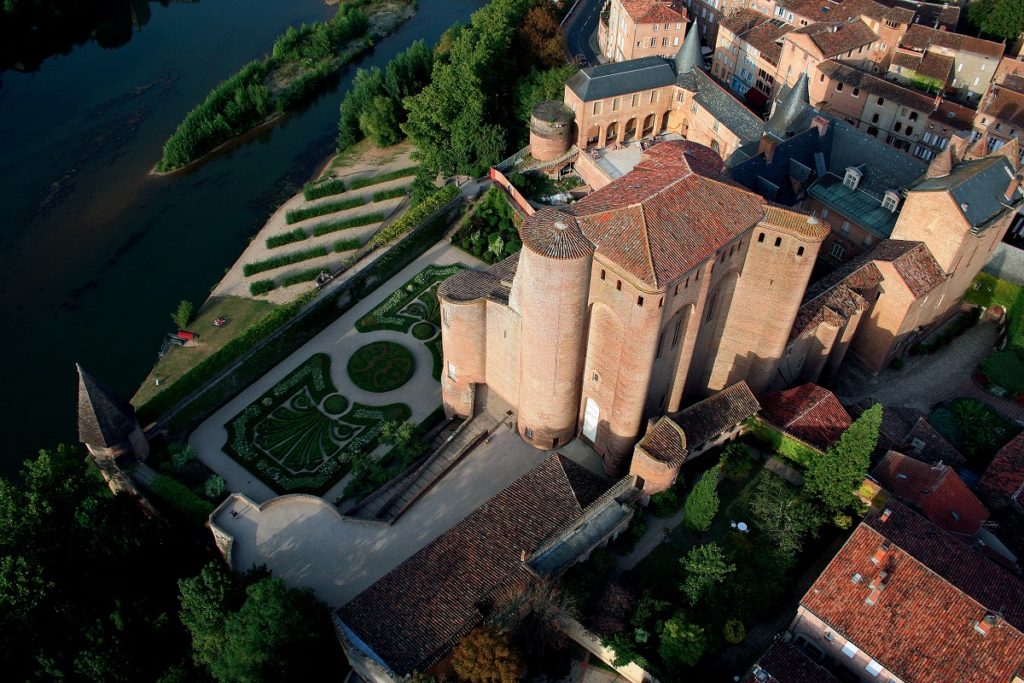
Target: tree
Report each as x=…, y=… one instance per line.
x=705, y=566
x=832, y=478
x=206, y=600
x=734, y=632
x=536, y=86
x=682, y=643
x=782, y=515
x=702, y=503
x=379, y=121
x=736, y=462
x=542, y=36
x=999, y=19
x=183, y=315
x=487, y=655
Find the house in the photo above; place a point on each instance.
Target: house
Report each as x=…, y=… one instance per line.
x=974, y=61
x=1002, y=484
x=905, y=601
x=543, y=522
x=808, y=413
x=784, y=663
x=935, y=490
x=804, y=48
x=641, y=28
x=747, y=53
x=1000, y=117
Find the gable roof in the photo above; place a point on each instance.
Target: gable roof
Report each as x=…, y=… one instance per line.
x=921, y=626
x=620, y=78
x=808, y=412
x=920, y=38
x=412, y=616
x=934, y=489
x=1005, y=104
x=654, y=11
x=877, y=86
x=913, y=262
x=706, y=419
x=834, y=39
x=1004, y=477
x=977, y=186
x=783, y=663
x=757, y=30
x=104, y=418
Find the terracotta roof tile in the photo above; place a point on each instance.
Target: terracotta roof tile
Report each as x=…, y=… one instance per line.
x=759, y=31
x=936, y=448
x=1004, y=478
x=1006, y=106
x=914, y=263
x=654, y=11
x=705, y=420
x=837, y=297
x=921, y=627
x=877, y=86
x=936, y=65
x=808, y=412
x=415, y=614
x=666, y=442
x=920, y=38
x=936, y=490
x=835, y=39
x=494, y=283
x=783, y=663
x=555, y=234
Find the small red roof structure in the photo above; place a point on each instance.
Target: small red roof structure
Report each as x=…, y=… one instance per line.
x=809, y=413
x=783, y=663
x=1003, y=481
x=935, y=490
x=923, y=624
x=186, y=335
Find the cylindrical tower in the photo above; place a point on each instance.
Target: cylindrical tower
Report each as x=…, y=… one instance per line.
x=550, y=294
x=550, y=130
x=463, y=340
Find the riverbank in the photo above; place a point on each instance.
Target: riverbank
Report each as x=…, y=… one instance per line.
x=303, y=63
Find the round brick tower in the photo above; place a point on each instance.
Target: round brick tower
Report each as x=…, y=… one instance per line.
x=550, y=294
x=550, y=130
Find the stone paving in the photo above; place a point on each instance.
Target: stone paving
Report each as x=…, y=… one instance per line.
x=422, y=393
x=304, y=540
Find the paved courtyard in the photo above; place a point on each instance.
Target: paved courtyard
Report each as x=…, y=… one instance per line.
x=421, y=393
x=304, y=541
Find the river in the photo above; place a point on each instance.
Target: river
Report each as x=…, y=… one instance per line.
x=94, y=252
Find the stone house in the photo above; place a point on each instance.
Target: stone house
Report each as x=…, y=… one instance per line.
x=1000, y=116
x=949, y=119
x=804, y=48
x=974, y=60
x=642, y=28
x=747, y=53
x=905, y=601
x=809, y=413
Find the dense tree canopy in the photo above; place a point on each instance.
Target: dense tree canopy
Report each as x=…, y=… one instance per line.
x=682, y=642
x=782, y=514
x=487, y=656
x=833, y=477
x=997, y=19
x=705, y=566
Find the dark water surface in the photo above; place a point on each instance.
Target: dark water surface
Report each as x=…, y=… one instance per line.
x=95, y=253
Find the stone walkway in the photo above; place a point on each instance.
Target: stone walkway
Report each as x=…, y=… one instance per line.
x=338, y=340
x=658, y=529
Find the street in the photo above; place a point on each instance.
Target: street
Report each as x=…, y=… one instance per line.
x=580, y=24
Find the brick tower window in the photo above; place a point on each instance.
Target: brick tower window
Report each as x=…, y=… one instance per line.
x=778, y=241
x=618, y=285
x=602, y=274
x=760, y=238
x=800, y=251
x=529, y=432
x=639, y=301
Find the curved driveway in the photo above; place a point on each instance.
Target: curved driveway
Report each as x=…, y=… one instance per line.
x=579, y=26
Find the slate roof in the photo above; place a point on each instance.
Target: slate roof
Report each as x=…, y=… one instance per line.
x=494, y=283
x=415, y=614
x=977, y=186
x=877, y=86
x=834, y=39
x=809, y=412
x=789, y=112
x=104, y=418
x=654, y=11
x=1004, y=478
x=726, y=109
x=1005, y=105
x=857, y=205
x=935, y=490
x=914, y=263
x=705, y=420
x=621, y=78
x=688, y=58
x=666, y=215
x=783, y=663
x=666, y=442
x=921, y=626
x=920, y=38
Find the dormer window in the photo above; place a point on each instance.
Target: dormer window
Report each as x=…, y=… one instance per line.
x=890, y=201
x=852, y=178
x=984, y=627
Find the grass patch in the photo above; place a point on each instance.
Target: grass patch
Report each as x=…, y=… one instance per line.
x=384, y=195
x=328, y=227
x=323, y=189
x=296, y=235
x=261, y=287
x=382, y=178
x=283, y=260
x=347, y=245
x=296, y=215
x=381, y=366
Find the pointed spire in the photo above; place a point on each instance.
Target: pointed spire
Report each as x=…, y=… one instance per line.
x=104, y=418
x=688, y=58
x=787, y=112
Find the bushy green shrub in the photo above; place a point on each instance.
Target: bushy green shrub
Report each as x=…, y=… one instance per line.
x=257, y=287
x=283, y=260
x=490, y=231
x=666, y=503
x=296, y=215
x=307, y=275
x=296, y=235
x=181, y=498
x=736, y=462
x=1005, y=369
x=702, y=503
x=384, y=195
x=774, y=440
x=344, y=224
x=734, y=632
x=323, y=189
x=416, y=215
x=347, y=245
x=366, y=181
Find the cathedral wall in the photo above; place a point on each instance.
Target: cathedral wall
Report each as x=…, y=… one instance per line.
x=463, y=330
x=503, y=351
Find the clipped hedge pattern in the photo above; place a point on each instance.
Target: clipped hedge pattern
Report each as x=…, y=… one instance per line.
x=181, y=498
x=283, y=260
x=296, y=215
x=384, y=195
x=307, y=275
x=296, y=235
x=382, y=178
x=347, y=245
x=261, y=286
x=344, y=224
x=324, y=189
x=415, y=215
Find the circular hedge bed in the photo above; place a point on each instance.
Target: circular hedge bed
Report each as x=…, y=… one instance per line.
x=335, y=404
x=423, y=331
x=381, y=366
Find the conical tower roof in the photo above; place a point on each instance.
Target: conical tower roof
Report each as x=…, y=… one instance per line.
x=788, y=111
x=688, y=58
x=104, y=418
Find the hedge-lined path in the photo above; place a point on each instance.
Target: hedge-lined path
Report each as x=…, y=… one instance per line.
x=236, y=283
x=339, y=340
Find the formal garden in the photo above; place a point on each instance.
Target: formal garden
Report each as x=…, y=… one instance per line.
x=749, y=543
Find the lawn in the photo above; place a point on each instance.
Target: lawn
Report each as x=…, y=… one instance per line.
x=241, y=314
x=301, y=435
x=988, y=290
x=381, y=366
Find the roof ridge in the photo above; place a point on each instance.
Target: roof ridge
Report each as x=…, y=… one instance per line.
x=647, y=242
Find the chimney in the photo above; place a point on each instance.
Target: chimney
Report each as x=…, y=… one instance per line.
x=885, y=515
x=821, y=123
x=767, y=147
x=522, y=556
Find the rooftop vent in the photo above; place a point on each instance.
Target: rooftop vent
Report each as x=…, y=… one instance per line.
x=885, y=515
x=986, y=624
x=857, y=578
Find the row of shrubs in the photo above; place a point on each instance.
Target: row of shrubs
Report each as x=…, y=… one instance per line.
x=296, y=215
x=296, y=235
x=382, y=178
x=257, y=363
x=283, y=260
x=181, y=498
x=383, y=195
x=328, y=227
x=258, y=287
x=347, y=245
x=416, y=215
x=323, y=189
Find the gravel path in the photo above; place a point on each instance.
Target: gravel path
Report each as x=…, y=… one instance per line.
x=924, y=381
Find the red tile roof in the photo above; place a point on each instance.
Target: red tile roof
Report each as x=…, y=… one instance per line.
x=920, y=38
x=783, y=663
x=1006, y=106
x=936, y=490
x=836, y=39
x=1004, y=478
x=654, y=11
x=758, y=31
x=921, y=627
x=808, y=412
x=913, y=262
x=874, y=85
x=415, y=614
x=666, y=442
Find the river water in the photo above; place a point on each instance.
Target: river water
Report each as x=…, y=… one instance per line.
x=95, y=253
